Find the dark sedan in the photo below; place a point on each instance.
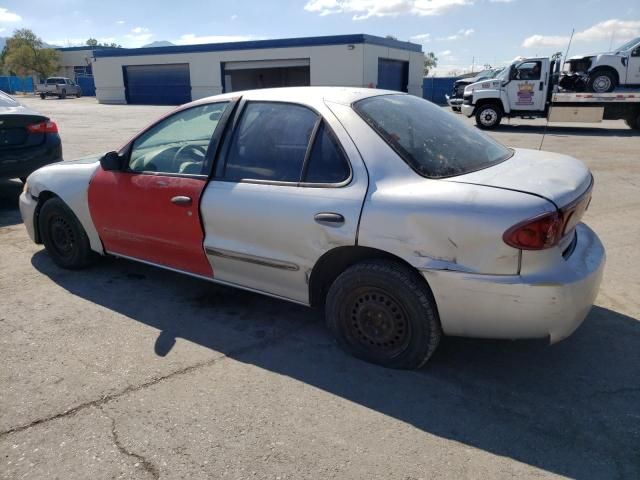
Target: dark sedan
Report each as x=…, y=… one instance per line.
x=28, y=140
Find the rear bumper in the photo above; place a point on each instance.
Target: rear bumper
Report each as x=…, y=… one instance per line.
x=552, y=305
x=23, y=161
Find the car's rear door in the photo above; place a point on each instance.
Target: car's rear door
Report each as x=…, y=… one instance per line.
x=288, y=187
x=149, y=211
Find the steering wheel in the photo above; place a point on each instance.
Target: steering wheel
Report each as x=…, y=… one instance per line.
x=197, y=150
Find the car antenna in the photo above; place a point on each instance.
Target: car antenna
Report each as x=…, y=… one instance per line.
x=566, y=55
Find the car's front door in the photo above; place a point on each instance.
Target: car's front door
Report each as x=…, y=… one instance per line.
x=633, y=67
x=289, y=187
x=527, y=88
x=150, y=210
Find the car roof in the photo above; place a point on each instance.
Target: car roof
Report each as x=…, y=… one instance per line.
x=305, y=95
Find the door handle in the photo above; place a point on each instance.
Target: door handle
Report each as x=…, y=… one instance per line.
x=181, y=200
x=541, y=86
x=329, y=219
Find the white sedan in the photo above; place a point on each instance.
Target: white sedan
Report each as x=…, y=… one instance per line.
x=398, y=219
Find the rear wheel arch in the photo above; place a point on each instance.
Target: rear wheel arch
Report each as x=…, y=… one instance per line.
x=334, y=262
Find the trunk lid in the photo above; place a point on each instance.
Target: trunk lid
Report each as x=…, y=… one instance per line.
x=13, y=129
x=560, y=179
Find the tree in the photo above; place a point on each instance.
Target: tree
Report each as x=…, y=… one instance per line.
x=25, y=54
x=430, y=61
x=92, y=42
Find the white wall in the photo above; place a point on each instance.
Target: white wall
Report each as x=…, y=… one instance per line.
x=334, y=65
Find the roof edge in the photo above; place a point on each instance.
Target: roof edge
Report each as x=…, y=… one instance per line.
x=260, y=44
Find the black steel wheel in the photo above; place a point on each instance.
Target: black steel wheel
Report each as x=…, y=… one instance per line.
x=378, y=321
x=383, y=312
x=63, y=236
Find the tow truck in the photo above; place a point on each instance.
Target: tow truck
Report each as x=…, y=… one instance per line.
x=528, y=88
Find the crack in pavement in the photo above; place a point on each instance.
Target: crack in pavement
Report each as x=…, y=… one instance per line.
x=154, y=381
x=148, y=466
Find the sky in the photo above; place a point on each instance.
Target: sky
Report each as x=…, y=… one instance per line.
x=462, y=33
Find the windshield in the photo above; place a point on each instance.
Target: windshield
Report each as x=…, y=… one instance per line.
x=431, y=140
x=485, y=74
x=628, y=45
x=504, y=73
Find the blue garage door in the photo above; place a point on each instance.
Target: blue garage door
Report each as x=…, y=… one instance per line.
x=157, y=84
x=393, y=74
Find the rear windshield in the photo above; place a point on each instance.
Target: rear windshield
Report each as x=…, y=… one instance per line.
x=54, y=81
x=7, y=101
x=431, y=140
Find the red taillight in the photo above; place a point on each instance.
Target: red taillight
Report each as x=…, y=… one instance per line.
x=43, y=127
x=537, y=233
x=547, y=230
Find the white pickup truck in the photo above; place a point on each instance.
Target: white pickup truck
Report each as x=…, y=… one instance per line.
x=59, y=87
x=604, y=72
x=528, y=88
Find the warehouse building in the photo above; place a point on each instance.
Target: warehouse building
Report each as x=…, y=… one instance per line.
x=179, y=74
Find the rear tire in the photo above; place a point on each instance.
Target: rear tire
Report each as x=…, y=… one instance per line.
x=601, y=81
x=62, y=95
x=78, y=93
x=63, y=236
x=382, y=312
x=488, y=116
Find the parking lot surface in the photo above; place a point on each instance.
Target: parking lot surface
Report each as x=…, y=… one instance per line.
x=126, y=371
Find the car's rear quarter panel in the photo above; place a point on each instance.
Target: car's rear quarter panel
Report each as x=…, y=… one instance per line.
x=433, y=224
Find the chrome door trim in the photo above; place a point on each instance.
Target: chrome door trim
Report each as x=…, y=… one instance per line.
x=244, y=257
x=208, y=279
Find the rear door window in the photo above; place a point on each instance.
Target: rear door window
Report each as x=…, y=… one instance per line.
x=327, y=162
x=270, y=142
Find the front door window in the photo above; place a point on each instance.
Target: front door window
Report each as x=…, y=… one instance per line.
x=178, y=144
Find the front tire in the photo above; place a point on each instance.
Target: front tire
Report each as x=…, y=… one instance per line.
x=384, y=313
x=601, y=81
x=488, y=116
x=63, y=236
x=62, y=95
x=42, y=96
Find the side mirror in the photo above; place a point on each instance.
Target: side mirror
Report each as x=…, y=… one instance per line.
x=512, y=72
x=111, y=161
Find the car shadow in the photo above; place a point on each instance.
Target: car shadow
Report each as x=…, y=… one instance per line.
x=572, y=409
x=10, y=191
x=562, y=131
